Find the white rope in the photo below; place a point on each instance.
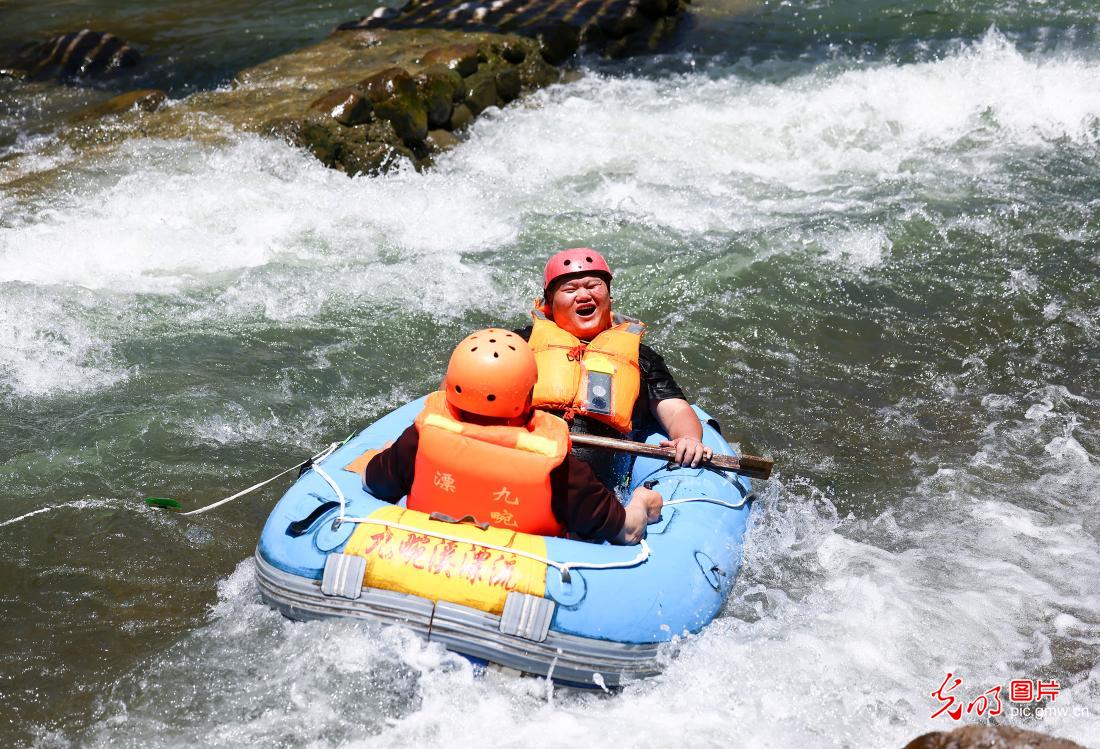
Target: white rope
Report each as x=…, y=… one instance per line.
x=318, y=457
x=562, y=567
x=29, y=514
x=711, y=500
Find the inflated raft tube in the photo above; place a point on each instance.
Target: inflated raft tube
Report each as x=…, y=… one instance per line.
x=582, y=614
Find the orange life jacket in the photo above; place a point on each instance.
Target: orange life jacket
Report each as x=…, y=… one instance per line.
x=600, y=379
x=498, y=474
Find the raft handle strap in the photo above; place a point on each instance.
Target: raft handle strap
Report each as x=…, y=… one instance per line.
x=298, y=528
x=445, y=518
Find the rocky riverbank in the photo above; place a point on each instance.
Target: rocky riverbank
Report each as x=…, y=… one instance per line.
x=396, y=87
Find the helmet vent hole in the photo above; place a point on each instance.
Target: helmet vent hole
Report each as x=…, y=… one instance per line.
x=496, y=355
x=458, y=388
x=567, y=262
x=473, y=349
x=511, y=347
x=490, y=397
x=492, y=340
x=588, y=259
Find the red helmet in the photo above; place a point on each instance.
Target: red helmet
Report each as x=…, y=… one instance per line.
x=576, y=260
x=491, y=373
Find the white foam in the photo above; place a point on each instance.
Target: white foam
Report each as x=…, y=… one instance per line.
x=51, y=345
x=839, y=628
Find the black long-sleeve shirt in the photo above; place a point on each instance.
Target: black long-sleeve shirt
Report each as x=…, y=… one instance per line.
x=587, y=508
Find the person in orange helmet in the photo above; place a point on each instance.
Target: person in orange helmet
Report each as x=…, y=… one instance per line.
x=595, y=371
x=478, y=448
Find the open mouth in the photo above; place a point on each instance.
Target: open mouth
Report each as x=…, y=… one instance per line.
x=585, y=311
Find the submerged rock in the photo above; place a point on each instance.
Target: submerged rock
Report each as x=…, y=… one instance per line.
x=613, y=27
x=989, y=737
x=145, y=100
x=78, y=54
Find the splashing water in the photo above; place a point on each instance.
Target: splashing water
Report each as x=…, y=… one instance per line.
x=880, y=273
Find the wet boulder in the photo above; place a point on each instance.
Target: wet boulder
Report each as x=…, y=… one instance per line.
x=396, y=98
x=461, y=58
x=144, y=100
x=989, y=737
x=78, y=54
x=481, y=91
x=346, y=106
x=461, y=117
x=438, y=92
x=387, y=83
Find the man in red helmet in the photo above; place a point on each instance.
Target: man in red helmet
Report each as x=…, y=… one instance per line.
x=478, y=448
x=595, y=371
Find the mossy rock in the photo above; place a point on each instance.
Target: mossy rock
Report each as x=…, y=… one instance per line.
x=316, y=133
x=372, y=158
x=481, y=91
x=396, y=98
x=438, y=94
x=448, y=77
x=408, y=116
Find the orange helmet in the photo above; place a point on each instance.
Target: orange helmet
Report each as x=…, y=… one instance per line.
x=491, y=373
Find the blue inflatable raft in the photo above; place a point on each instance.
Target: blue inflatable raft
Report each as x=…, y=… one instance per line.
x=582, y=614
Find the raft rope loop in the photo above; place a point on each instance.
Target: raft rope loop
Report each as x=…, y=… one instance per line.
x=310, y=461
x=562, y=567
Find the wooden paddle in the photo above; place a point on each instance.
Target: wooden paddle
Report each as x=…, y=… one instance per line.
x=746, y=465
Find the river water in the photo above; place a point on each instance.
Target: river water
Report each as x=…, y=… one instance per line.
x=865, y=235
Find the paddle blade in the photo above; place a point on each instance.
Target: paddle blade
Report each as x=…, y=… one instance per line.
x=164, y=503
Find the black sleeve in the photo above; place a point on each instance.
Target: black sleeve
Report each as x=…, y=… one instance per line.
x=389, y=474
x=524, y=333
x=586, y=507
x=659, y=382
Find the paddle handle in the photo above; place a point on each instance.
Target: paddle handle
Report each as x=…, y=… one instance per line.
x=746, y=465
